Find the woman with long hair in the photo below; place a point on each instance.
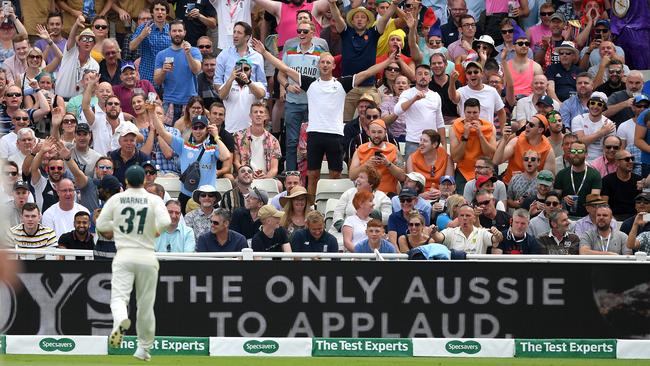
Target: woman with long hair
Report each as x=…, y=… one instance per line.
x=193, y=108
x=100, y=30
x=416, y=234
x=430, y=159
x=64, y=126
x=296, y=205
x=27, y=80
x=396, y=124
x=354, y=227
x=448, y=218
x=391, y=72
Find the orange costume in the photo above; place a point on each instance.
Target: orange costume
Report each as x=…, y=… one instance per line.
x=367, y=151
x=432, y=175
x=516, y=161
x=472, y=146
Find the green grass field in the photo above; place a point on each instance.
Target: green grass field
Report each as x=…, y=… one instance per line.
x=29, y=360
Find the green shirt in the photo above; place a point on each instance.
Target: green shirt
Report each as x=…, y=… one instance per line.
x=564, y=184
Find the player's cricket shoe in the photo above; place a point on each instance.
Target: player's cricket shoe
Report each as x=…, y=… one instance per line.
x=142, y=355
x=115, y=339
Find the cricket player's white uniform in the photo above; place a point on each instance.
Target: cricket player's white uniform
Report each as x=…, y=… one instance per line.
x=135, y=216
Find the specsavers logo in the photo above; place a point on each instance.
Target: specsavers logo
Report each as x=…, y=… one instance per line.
x=52, y=344
x=457, y=347
x=267, y=346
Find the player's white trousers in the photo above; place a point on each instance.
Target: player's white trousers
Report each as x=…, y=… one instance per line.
x=145, y=277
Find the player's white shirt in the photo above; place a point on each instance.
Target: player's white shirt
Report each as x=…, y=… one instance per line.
x=135, y=216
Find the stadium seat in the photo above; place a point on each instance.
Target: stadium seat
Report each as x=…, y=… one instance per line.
x=267, y=184
x=223, y=185
x=330, y=188
x=329, y=212
x=325, y=170
x=172, y=185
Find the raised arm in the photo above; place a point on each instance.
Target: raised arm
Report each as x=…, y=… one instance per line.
x=272, y=7
x=374, y=69
x=383, y=21
x=58, y=55
x=162, y=132
x=144, y=33
x=416, y=53
x=72, y=37
x=89, y=91
x=454, y=95
x=281, y=66
x=80, y=178
x=43, y=106
x=339, y=22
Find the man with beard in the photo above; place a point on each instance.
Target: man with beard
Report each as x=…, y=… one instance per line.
x=151, y=38
x=239, y=93
x=76, y=59
x=80, y=237
x=235, y=197
x=45, y=193
x=592, y=127
x=90, y=196
x=127, y=154
x=359, y=132
x=198, y=17
x=619, y=105
x=82, y=154
x=604, y=240
x=381, y=155
x=217, y=117
x=577, y=104
x=176, y=70
x=615, y=82
x=559, y=241
x=620, y=187
x=579, y=179
x=440, y=84
x=421, y=108
x=229, y=58
x=562, y=76
x=556, y=129
x=491, y=102
x=205, y=87
x=129, y=85
x=106, y=124
x=54, y=25
x=600, y=72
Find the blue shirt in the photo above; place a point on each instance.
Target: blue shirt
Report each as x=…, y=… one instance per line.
x=120, y=166
x=384, y=247
x=157, y=41
x=565, y=80
x=179, y=241
x=359, y=52
x=572, y=107
x=398, y=223
x=421, y=205
x=180, y=84
x=303, y=241
x=163, y=164
x=188, y=153
x=228, y=58
x=645, y=157
x=208, y=243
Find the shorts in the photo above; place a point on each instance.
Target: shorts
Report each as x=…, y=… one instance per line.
x=328, y=144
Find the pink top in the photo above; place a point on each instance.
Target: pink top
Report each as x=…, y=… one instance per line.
x=523, y=82
x=497, y=6
x=537, y=32
x=603, y=166
x=287, y=25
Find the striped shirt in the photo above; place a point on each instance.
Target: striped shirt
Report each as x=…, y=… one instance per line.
x=43, y=238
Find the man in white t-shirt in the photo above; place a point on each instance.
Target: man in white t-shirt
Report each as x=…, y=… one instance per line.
x=491, y=102
x=239, y=93
x=466, y=236
x=76, y=59
x=592, y=127
x=60, y=216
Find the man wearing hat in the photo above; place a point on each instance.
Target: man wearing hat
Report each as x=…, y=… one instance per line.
x=642, y=206
x=239, y=93
x=359, y=48
x=592, y=127
x=545, y=50
x=512, y=148
x=602, y=32
x=129, y=82
x=20, y=196
x=76, y=59
x=83, y=155
x=537, y=102
x=588, y=222
x=176, y=69
x=534, y=202
x=356, y=132
x=398, y=220
x=245, y=219
x=620, y=186
x=490, y=99
x=383, y=155
x=135, y=218
x=415, y=181
x=178, y=238
x=271, y=237
x=127, y=154
x=199, y=220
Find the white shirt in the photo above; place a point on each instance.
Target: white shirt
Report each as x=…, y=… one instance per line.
x=325, y=100
x=104, y=139
x=488, y=96
x=18, y=158
x=257, y=153
x=526, y=109
x=626, y=131
x=230, y=12
x=584, y=124
x=424, y=114
x=71, y=72
x=358, y=228
x=238, y=104
x=59, y=220
x=476, y=243
x=8, y=145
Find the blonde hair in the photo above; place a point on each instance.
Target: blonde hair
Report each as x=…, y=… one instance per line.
x=285, y=221
x=454, y=201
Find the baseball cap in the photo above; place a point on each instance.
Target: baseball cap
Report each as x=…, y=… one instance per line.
x=267, y=211
x=482, y=179
x=243, y=60
x=110, y=183
x=642, y=195
x=558, y=16
x=545, y=177
x=200, y=119
x=128, y=128
x=127, y=65
x=447, y=178
x=599, y=95
x=417, y=177
x=134, y=175
x=603, y=22
x=82, y=127
x=594, y=200
x=472, y=63
x=150, y=163
x=260, y=194
x=641, y=98
x=21, y=184
x=546, y=100
x=407, y=192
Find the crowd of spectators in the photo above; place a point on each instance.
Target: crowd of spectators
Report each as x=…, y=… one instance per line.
x=483, y=127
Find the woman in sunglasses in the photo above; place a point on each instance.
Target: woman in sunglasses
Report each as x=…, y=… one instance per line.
x=416, y=235
x=100, y=29
x=27, y=80
x=396, y=125
x=64, y=126
x=194, y=107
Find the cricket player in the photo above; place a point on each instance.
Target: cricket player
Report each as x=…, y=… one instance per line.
x=135, y=217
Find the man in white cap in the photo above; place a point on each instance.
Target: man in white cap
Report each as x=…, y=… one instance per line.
x=416, y=181
x=592, y=127
x=562, y=76
x=134, y=218
x=76, y=59
x=127, y=154
x=199, y=220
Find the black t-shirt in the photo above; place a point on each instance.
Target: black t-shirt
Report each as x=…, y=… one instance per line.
x=608, y=89
x=243, y=223
x=565, y=80
x=229, y=141
x=525, y=245
x=262, y=243
x=501, y=221
x=621, y=194
x=194, y=27
x=448, y=108
x=71, y=241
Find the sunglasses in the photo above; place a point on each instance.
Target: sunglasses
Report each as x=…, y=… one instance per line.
x=531, y=124
x=303, y=31
x=13, y=95
x=13, y=174
x=211, y=195
x=104, y=167
x=393, y=69
x=408, y=6
x=415, y=224
x=532, y=159
x=402, y=200
x=577, y=151
x=644, y=106
x=35, y=56
x=198, y=127
x=473, y=72
x=69, y=121
x=20, y=118
x=246, y=171
x=598, y=31
x=99, y=26
x=58, y=167
x=110, y=104
x=552, y=203
x=484, y=203
x=293, y=173
x=245, y=69
x=627, y=159
x=612, y=147
x=546, y=13
x=507, y=31
x=596, y=103
x=615, y=71
x=372, y=117
x=565, y=53
x=87, y=39
x=483, y=47
x=215, y=222
x=150, y=172
x=523, y=43
x=204, y=46
x=642, y=200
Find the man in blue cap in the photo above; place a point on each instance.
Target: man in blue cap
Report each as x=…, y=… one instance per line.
x=135, y=218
